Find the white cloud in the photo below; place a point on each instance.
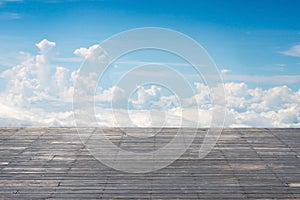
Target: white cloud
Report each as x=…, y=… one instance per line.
x=236, y=89
x=202, y=97
x=39, y=93
x=225, y=71
x=45, y=46
x=141, y=118
x=10, y=15
x=42, y=61
x=36, y=79
x=17, y=116
x=279, y=79
x=281, y=65
x=146, y=97
x=7, y=1
x=274, y=107
x=293, y=51
x=113, y=96
x=13, y=59
x=68, y=59
x=93, y=53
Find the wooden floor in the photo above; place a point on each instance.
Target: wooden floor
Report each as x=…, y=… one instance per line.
x=246, y=163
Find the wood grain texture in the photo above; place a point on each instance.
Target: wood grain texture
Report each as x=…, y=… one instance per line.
x=52, y=163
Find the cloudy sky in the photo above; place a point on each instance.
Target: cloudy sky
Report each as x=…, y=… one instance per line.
x=255, y=45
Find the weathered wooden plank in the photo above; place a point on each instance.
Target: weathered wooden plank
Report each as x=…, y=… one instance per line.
x=245, y=163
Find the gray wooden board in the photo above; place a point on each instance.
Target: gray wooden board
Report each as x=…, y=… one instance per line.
x=52, y=163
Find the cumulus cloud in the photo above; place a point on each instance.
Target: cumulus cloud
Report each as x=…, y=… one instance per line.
x=45, y=46
x=93, y=53
x=39, y=93
x=36, y=78
x=293, y=51
x=273, y=107
x=42, y=61
x=246, y=107
x=146, y=97
x=38, y=88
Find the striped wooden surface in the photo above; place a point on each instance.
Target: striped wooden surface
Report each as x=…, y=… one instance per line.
x=246, y=163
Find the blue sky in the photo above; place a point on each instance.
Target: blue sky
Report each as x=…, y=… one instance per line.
x=243, y=36
x=251, y=42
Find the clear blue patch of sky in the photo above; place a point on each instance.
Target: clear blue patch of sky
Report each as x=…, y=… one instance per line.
x=243, y=36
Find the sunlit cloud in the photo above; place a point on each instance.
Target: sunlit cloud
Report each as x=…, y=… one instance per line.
x=293, y=51
x=39, y=92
